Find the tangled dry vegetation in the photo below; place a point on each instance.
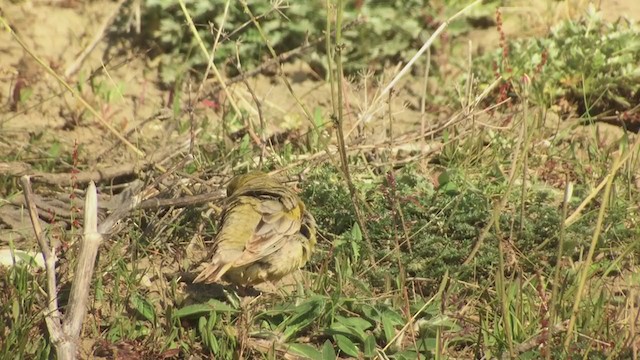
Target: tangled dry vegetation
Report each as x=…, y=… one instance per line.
x=474, y=179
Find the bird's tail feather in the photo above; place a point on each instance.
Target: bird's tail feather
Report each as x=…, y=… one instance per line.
x=212, y=272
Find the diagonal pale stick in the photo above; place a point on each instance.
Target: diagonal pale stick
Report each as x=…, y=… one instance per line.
x=4, y=23
x=85, y=267
x=52, y=318
x=65, y=335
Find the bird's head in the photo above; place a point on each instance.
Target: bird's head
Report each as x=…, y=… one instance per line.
x=247, y=181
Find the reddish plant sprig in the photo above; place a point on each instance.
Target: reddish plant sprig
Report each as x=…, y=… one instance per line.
x=543, y=62
x=503, y=43
x=504, y=65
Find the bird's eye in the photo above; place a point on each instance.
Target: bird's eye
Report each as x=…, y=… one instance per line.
x=304, y=230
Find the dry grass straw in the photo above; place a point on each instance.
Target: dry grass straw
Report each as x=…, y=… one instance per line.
x=621, y=159
x=73, y=91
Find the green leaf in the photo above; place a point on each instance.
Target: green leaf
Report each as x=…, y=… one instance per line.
x=54, y=150
x=370, y=312
x=429, y=344
x=388, y=326
x=303, y=315
x=356, y=233
x=370, y=346
x=356, y=322
x=205, y=328
x=203, y=309
x=439, y=320
x=406, y=355
x=143, y=307
x=306, y=350
x=347, y=346
x=351, y=326
x=328, y=352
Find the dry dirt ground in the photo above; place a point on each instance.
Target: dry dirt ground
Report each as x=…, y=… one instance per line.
x=58, y=31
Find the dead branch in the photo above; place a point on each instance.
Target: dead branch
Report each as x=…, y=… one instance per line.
x=77, y=307
x=65, y=334
x=16, y=169
x=128, y=204
x=184, y=201
x=52, y=318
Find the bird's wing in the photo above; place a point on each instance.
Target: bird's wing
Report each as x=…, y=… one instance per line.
x=275, y=226
x=239, y=221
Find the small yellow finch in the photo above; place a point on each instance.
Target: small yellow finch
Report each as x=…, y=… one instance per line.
x=265, y=234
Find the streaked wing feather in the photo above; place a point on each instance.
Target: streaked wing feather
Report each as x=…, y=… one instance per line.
x=270, y=233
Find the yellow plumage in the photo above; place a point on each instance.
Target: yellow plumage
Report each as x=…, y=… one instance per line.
x=266, y=233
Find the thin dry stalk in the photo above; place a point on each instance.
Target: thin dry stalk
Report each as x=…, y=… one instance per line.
x=204, y=50
x=284, y=79
x=53, y=317
x=79, y=296
x=425, y=88
x=516, y=162
x=99, y=35
x=534, y=341
x=73, y=91
x=210, y=63
x=586, y=265
x=568, y=192
x=381, y=95
x=65, y=335
x=441, y=289
x=64, y=179
x=282, y=57
x=342, y=147
x=263, y=126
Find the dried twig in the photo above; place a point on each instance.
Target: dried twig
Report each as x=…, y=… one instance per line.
x=53, y=317
x=65, y=334
x=182, y=201
x=77, y=307
x=4, y=23
x=281, y=58
x=77, y=63
x=65, y=179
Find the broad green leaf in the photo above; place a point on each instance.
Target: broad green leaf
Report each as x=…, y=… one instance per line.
x=356, y=322
x=370, y=346
x=439, y=321
x=205, y=328
x=388, y=326
x=351, y=325
x=406, y=355
x=427, y=344
x=356, y=233
x=203, y=309
x=347, y=346
x=305, y=350
x=143, y=307
x=328, y=352
x=370, y=312
x=303, y=315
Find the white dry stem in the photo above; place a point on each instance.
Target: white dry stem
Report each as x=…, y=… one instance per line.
x=65, y=333
x=84, y=269
x=52, y=317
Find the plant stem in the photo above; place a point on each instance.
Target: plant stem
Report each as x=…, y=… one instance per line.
x=339, y=123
